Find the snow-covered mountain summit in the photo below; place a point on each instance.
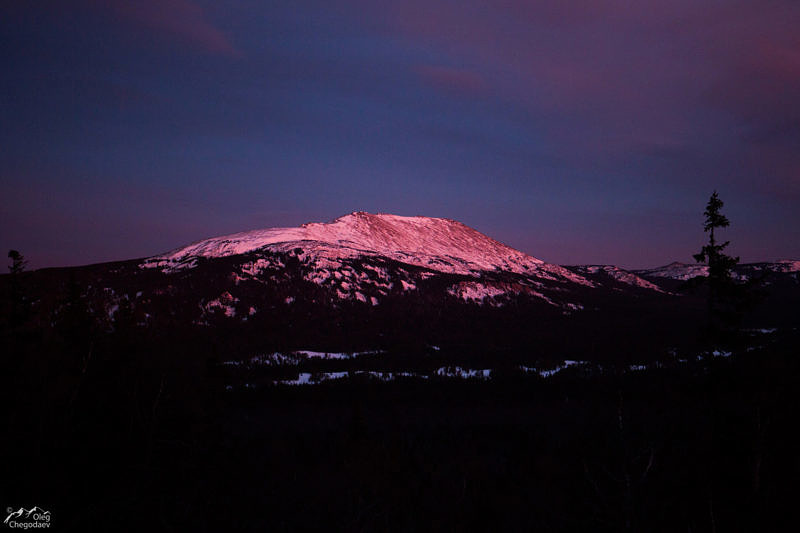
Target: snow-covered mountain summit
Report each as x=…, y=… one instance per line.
x=437, y=244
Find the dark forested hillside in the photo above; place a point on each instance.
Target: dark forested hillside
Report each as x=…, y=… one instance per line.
x=130, y=403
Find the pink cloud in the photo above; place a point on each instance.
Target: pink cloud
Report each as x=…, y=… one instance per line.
x=180, y=19
x=633, y=74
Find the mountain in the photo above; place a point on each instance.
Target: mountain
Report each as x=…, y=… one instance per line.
x=367, y=257
x=376, y=281
x=675, y=270
x=616, y=273
x=441, y=244
x=745, y=271
x=438, y=244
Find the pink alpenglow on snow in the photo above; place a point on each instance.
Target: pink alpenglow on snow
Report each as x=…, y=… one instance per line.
x=438, y=244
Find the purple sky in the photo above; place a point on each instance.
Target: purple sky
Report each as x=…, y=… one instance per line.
x=579, y=132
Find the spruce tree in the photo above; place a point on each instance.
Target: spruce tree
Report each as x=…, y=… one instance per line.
x=723, y=297
x=18, y=306
x=18, y=262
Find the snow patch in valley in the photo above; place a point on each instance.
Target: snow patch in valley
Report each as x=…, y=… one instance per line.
x=308, y=378
x=463, y=373
x=446, y=372
x=548, y=372
x=763, y=331
x=336, y=355
x=297, y=357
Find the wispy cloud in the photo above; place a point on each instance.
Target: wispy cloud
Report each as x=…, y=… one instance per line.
x=610, y=78
x=183, y=20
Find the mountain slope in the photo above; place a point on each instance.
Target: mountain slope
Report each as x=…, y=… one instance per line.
x=437, y=244
x=615, y=273
x=743, y=271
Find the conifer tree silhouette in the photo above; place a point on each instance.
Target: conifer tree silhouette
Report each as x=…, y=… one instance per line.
x=18, y=307
x=723, y=293
x=18, y=262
